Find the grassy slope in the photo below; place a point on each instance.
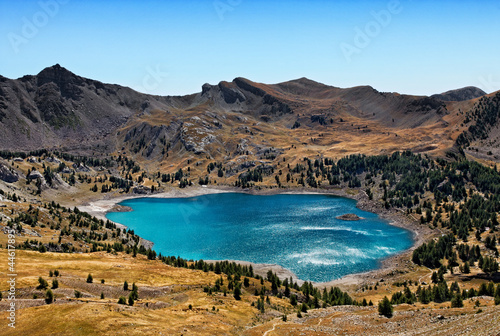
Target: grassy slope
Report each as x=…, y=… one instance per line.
x=105, y=316
x=166, y=293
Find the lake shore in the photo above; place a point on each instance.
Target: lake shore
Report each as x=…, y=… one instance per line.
x=388, y=266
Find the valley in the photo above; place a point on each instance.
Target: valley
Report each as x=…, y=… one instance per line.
x=72, y=147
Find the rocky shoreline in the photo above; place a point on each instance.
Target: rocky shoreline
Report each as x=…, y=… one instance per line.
x=420, y=233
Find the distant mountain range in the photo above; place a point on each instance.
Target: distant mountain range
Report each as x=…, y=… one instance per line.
x=58, y=109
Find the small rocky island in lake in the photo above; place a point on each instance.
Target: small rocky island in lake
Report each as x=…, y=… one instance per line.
x=349, y=217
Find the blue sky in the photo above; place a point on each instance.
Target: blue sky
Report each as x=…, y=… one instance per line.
x=174, y=47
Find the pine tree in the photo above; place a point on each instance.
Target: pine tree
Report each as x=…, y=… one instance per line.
x=90, y=279
x=466, y=268
x=287, y=290
x=131, y=299
x=49, y=296
x=457, y=302
x=489, y=265
x=237, y=293
x=134, y=293
x=293, y=300
x=385, y=307
x=42, y=283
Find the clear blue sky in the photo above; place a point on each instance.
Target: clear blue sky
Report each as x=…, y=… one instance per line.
x=421, y=47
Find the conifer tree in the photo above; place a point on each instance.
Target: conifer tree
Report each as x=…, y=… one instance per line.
x=385, y=307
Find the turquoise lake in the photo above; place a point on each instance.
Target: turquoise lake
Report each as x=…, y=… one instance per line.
x=298, y=232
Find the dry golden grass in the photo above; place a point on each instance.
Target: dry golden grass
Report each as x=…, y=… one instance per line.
x=115, y=269
x=110, y=319
x=166, y=294
x=167, y=290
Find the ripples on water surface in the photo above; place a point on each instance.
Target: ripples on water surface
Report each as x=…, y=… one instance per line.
x=298, y=232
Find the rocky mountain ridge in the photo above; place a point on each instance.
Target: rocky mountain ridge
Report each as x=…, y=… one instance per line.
x=57, y=109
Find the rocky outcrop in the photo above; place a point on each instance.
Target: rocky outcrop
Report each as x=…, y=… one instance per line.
x=231, y=95
x=196, y=134
x=7, y=174
x=58, y=182
x=349, y=217
x=35, y=175
x=66, y=170
x=81, y=168
x=53, y=159
x=141, y=190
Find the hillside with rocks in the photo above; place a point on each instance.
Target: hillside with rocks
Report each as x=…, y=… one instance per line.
x=72, y=148
x=57, y=109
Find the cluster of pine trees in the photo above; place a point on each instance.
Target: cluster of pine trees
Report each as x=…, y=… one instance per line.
x=79, y=225
x=440, y=292
x=486, y=114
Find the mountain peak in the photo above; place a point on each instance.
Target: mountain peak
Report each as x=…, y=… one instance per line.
x=304, y=80
x=466, y=93
x=56, y=74
x=55, y=70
